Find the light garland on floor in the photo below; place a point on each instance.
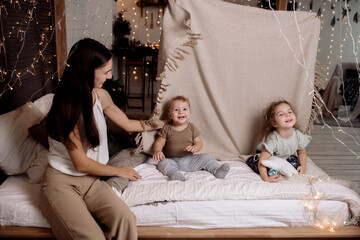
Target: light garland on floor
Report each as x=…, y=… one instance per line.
x=311, y=205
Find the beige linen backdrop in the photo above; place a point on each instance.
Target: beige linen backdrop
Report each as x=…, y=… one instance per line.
x=231, y=61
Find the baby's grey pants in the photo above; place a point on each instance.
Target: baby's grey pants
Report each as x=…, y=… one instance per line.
x=191, y=163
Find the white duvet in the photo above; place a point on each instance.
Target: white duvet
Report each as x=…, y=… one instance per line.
x=240, y=183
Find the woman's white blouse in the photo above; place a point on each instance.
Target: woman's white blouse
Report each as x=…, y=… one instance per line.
x=59, y=157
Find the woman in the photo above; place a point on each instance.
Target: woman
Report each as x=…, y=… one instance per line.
x=77, y=204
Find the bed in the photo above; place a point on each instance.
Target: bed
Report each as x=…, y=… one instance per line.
x=241, y=205
x=200, y=207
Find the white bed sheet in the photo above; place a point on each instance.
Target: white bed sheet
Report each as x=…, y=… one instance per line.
x=19, y=207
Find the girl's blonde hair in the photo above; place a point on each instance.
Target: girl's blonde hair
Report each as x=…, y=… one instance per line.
x=269, y=117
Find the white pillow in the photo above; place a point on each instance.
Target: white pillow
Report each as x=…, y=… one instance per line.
x=44, y=103
x=283, y=166
x=16, y=146
x=39, y=160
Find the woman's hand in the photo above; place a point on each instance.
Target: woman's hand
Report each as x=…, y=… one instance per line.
x=128, y=172
x=158, y=156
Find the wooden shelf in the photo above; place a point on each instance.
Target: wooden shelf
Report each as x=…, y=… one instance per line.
x=151, y=3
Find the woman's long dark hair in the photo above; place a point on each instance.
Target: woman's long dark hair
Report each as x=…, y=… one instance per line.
x=73, y=97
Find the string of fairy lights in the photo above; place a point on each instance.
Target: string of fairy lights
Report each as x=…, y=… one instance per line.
x=146, y=26
x=326, y=7
x=148, y=19
x=19, y=32
x=340, y=33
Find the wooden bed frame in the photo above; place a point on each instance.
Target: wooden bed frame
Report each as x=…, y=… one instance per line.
x=152, y=233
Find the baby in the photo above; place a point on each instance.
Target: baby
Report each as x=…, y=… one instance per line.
x=178, y=141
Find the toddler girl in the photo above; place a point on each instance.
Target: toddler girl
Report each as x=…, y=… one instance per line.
x=280, y=138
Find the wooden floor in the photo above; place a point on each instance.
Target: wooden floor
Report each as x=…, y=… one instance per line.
x=336, y=152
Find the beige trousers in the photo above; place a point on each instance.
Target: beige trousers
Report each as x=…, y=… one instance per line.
x=84, y=208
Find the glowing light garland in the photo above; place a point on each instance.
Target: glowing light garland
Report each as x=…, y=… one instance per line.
x=311, y=205
x=15, y=74
x=151, y=22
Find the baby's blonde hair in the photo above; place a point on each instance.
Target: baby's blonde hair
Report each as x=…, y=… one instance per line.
x=178, y=98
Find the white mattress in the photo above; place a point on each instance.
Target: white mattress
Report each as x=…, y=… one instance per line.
x=19, y=207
